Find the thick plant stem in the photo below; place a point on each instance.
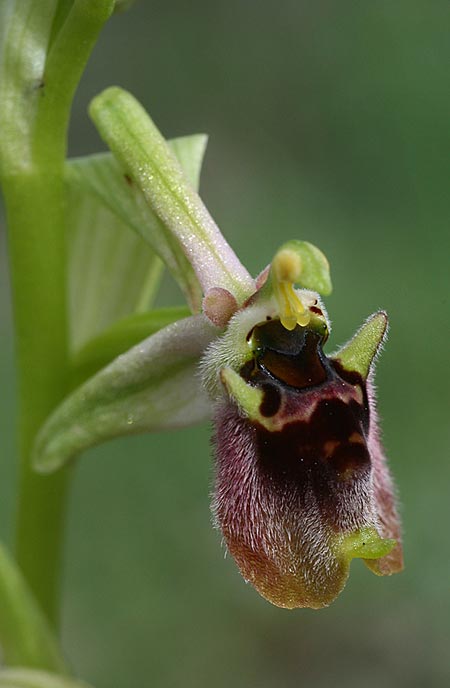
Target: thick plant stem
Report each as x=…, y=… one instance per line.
x=40, y=66
x=35, y=216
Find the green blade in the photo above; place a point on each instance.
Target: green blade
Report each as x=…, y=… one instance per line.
x=25, y=635
x=153, y=386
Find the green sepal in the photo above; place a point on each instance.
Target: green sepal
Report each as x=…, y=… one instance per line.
x=153, y=386
x=120, y=337
x=359, y=353
x=29, y=678
x=185, y=223
x=26, y=638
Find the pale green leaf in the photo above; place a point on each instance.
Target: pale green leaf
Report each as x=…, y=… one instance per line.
x=108, y=266
x=153, y=386
x=25, y=635
x=19, y=677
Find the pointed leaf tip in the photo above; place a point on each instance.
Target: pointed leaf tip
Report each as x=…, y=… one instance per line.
x=359, y=353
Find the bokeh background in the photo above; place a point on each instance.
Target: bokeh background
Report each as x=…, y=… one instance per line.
x=328, y=121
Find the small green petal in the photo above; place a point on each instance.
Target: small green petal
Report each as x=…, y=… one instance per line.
x=365, y=544
x=248, y=398
x=358, y=354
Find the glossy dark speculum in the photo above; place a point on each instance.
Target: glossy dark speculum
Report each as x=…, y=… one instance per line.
x=331, y=438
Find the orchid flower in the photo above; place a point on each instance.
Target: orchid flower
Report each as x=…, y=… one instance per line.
x=302, y=486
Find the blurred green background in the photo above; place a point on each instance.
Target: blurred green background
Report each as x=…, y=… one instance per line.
x=328, y=121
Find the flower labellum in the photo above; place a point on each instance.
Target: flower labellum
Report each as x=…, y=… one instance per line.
x=302, y=485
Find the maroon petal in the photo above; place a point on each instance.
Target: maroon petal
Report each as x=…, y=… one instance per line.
x=302, y=485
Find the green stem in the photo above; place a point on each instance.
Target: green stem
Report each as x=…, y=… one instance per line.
x=35, y=215
x=64, y=66
x=33, y=186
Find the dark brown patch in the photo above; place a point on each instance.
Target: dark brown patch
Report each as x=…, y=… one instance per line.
x=128, y=179
x=348, y=457
x=297, y=457
x=249, y=371
x=293, y=357
x=350, y=376
x=273, y=336
x=305, y=369
x=355, y=379
x=271, y=402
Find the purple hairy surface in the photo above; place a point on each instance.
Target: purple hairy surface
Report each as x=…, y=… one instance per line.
x=285, y=498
